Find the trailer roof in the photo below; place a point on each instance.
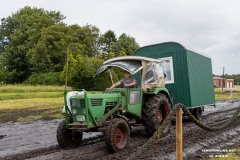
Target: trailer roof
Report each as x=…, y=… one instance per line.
x=179, y=45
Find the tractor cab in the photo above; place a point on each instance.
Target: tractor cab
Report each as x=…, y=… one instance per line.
x=152, y=75
x=152, y=82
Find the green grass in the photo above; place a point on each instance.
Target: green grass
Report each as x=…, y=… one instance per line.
x=227, y=96
x=24, y=103
x=237, y=87
x=225, y=93
x=29, y=95
x=29, y=88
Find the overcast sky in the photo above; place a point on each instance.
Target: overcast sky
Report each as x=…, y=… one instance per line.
x=211, y=27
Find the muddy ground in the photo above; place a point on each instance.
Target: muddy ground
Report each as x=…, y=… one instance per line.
x=37, y=140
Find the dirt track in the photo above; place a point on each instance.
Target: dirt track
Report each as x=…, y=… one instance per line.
x=37, y=140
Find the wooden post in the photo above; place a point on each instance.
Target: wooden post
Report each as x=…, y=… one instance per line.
x=179, y=134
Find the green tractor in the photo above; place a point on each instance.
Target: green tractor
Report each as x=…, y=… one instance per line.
x=117, y=110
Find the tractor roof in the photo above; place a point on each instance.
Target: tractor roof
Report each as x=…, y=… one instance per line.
x=132, y=64
x=132, y=58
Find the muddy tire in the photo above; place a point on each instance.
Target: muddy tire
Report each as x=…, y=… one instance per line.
x=117, y=135
x=67, y=137
x=155, y=111
x=197, y=113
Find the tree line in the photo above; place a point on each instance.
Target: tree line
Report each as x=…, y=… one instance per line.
x=35, y=44
x=236, y=77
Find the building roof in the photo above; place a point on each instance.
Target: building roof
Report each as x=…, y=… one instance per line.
x=220, y=78
x=217, y=78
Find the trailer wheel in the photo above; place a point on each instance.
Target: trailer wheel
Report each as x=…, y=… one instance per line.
x=67, y=137
x=155, y=111
x=117, y=135
x=197, y=113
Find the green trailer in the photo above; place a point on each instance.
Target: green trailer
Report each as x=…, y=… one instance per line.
x=188, y=74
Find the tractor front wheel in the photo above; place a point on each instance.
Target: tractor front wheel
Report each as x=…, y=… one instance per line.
x=117, y=135
x=67, y=137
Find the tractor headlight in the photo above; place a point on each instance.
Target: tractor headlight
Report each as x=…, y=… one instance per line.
x=74, y=111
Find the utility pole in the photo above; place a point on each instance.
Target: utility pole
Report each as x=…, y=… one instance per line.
x=223, y=78
x=66, y=74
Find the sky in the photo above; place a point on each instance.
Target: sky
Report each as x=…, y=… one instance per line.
x=210, y=27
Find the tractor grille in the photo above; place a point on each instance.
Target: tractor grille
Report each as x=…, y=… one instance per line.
x=77, y=102
x=111, y=103
x=96, y=102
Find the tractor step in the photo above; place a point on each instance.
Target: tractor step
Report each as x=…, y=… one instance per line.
x=78, y=124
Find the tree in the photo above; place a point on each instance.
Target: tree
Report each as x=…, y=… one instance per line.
x=236, y=78
x=23, y=30
x=106, y=40
x=34, y=42
x=125, y=43
x=1, y=70
x=87, y=37
x=111, y=55
x=122, y=53
x=56, y=41
x=49, y=54
x=81, y=73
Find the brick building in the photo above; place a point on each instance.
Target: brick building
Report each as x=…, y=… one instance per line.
x=226, y=83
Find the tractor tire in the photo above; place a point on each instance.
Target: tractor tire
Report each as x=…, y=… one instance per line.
x=197, y=113
x=67, y=137
x=117, y=135
x=155, y=111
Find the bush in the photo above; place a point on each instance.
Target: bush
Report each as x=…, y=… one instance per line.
x=81, y=72
x=51, y=78
x=91, y=83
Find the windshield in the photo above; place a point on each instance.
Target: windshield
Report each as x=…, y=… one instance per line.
x=153, y=73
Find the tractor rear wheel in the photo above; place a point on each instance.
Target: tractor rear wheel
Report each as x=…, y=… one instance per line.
x=155, y=111
x=67, y=137
x=117, y=135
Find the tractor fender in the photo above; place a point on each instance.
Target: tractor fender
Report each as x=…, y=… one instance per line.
x=125, y=118
x=163, y=91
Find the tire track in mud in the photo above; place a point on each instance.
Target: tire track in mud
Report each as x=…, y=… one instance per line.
x=52, y=149
x=95, y=151
x=194, y=140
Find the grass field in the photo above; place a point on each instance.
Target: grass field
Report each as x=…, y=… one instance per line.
x=227, y=94
x=28, y=103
